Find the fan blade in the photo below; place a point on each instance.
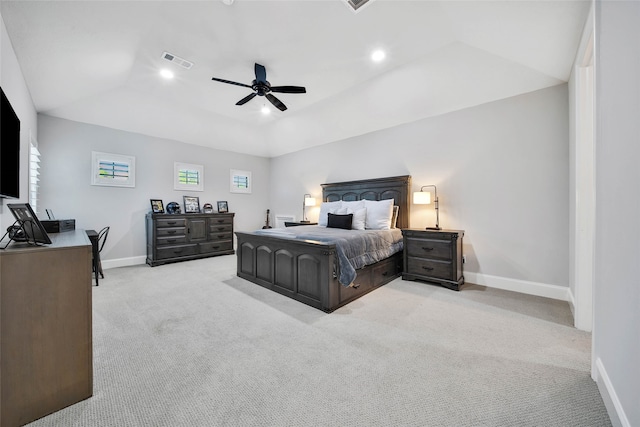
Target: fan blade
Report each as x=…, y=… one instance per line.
x=261, y=73
x=230, y=82
x=288, y=89
x=275, y=101
x=246, y=99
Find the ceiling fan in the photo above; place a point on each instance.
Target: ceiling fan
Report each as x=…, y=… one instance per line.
x=263, y=88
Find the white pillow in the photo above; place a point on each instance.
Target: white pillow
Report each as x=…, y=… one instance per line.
x=379, y=214
x=359, y=217
x=353, y=206
x=325, y=208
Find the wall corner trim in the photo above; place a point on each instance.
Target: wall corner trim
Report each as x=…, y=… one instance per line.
x=609, y=396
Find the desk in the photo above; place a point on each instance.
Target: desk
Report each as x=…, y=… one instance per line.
x=46, y=360
x=93, y=237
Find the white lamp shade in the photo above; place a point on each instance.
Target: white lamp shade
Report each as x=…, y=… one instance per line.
x=309, y=201
x=422, y=198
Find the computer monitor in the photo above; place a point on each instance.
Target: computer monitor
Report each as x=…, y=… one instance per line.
x=32, y=227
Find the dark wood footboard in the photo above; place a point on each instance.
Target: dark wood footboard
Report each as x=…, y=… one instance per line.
x=307, y=271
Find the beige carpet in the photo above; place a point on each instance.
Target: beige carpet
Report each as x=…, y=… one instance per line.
x=190, y=344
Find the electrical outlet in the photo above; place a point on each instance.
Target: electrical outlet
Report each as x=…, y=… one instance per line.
x=464, y=259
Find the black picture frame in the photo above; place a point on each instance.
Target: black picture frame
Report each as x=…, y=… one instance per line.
x=33, y=230
x=157, y=206
x=191, y=204
x=223, y=207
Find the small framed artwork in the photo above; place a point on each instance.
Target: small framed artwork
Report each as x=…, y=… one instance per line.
x=191, y=204
x=113, y=170
x=223, y=207
x=157, y=206
x=240, y=181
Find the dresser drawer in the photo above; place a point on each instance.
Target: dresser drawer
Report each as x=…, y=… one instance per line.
x=221, y=220
x=209, y=247
x=171, y=240
x=176, y=251
x=172, y=231
x=170, y=222
x=220, y=236
x=429, y=268
x=429, y=248
x=217, y=228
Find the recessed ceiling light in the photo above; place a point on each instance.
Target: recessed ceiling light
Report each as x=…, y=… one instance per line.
x=377, y=55
x=167, y=74
x=265, y=109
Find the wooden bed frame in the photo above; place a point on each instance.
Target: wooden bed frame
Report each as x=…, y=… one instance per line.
x=306, y=270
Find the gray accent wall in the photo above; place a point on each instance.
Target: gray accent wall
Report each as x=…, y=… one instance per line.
x=66, y=147
x=616, y=331
x=502, y=173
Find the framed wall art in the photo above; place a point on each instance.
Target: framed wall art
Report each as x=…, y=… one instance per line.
x=113, y=170
x=188, y=177
x=191, y=204
x=157, y=206
x=240, y=181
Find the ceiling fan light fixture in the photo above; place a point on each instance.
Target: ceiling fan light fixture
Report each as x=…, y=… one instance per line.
x=265, y=110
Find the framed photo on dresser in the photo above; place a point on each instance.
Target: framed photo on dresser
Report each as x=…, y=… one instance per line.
x=191, y=204
x=223, y=207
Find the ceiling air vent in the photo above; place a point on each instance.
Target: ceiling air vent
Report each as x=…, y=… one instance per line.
x=177, y=60
x=357, y=4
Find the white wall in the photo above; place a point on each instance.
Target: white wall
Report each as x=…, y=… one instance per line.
x=66, y=147
x=502, y=172
x=616, y=348
x=15, y=88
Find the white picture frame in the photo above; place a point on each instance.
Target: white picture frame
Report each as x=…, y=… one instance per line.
x=113, y=170
x=188, y=177
x=240, y=181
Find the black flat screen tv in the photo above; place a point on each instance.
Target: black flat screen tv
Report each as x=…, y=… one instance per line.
x=9, y=149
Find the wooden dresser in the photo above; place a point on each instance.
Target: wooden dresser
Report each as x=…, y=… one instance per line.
x=433, y=256
x=181, y=237
x=46, y=353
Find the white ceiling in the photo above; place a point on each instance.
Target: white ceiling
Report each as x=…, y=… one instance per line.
x=98, y=62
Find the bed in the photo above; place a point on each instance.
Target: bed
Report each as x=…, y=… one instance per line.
x=308, y=270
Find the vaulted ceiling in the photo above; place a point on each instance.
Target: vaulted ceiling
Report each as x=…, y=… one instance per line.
x=98, y=62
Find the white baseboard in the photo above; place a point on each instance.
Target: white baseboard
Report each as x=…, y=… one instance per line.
x=123, y=262
x=609, y=396
x=522, y=286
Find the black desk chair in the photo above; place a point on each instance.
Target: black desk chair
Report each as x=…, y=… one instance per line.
x=102, y=238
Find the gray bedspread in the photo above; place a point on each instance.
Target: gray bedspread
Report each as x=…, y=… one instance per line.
x=355, y=248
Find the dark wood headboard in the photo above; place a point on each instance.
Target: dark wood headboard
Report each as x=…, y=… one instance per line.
x=396, y=187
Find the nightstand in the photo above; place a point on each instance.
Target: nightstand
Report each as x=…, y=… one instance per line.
x=295, y=224
x=433, y=256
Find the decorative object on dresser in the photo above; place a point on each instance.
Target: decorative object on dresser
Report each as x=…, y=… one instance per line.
x=157, y=206
x=181, y=237
x=191, y=204
x=306, y=201
x=424, y=198
x=207, y=208
x=223, y=207
x=433, y=256
x=266, y=223
x=173, y=208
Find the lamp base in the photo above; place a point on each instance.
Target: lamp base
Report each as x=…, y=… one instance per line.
x=433, y=228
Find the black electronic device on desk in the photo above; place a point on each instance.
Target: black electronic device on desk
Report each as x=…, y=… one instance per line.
x=27, y=227
x=53, y=225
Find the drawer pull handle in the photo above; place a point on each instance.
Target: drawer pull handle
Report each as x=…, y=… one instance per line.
x=427, y=268
x=220, y=228
x=427, y=249
x=171, y=240
x=221, y=220
x=179, y=251
x=355, y=286
x=171, y=232
x=215, y=247
x=386, y=273
x=171, y=222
